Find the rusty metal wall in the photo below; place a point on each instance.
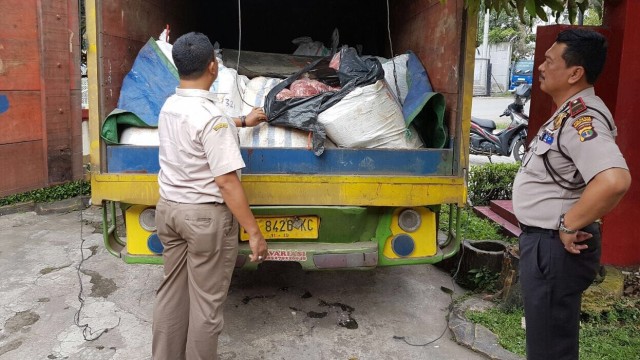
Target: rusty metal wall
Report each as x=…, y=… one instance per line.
x=40, y=118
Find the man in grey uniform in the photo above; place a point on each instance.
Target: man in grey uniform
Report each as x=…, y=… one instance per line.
x=201, y=203
x=572, y=175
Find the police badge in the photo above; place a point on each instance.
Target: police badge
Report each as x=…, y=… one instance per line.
x=557, y=122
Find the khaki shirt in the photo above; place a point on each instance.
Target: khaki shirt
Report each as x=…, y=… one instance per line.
x=197, y=143
x=588, y=141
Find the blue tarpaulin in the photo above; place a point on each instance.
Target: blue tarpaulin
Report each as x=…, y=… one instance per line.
x=423, y=107
x=146, y=87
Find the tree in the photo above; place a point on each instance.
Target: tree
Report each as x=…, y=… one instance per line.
x=538, y=7
x=591, y=17
x=516, y=26
x=505, y=27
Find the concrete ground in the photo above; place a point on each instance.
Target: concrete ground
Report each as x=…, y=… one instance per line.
x=278, y=312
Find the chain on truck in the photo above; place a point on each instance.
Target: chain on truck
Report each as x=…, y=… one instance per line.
x=349, y=207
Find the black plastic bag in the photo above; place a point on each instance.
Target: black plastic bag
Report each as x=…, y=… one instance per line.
x=302, y=112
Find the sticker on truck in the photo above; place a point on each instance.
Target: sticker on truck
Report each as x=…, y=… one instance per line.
x=286, y=255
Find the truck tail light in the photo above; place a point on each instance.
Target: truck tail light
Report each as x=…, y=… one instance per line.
x=409, y=220
x=403, y=245
x=147, y=219
x=154, y=244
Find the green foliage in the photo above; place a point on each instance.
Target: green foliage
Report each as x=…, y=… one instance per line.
x=483, y=279
x=592, y=18
x=486, y=182
x=54, y=193
x=538, y=7
x=506, y=326
x=507, y=27
x=491, y=182
x=610, y=336
x=498, y=35
x=473, y=227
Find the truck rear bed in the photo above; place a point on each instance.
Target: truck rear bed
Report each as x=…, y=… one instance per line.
x=377, y=184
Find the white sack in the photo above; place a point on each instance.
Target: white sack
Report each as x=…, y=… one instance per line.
x=140, y=136
x=256, y=91
x=369, y=117
x=401, y=75
x=265, y=135
x=227, y=89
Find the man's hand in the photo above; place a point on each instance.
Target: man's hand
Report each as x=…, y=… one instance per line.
x=571, y=241
x=235, y=198
x=258, y=247
x=255, y=117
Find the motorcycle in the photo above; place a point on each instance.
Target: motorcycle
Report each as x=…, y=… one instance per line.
x=512, y=140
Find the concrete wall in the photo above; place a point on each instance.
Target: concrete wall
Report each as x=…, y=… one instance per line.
x=500, y=57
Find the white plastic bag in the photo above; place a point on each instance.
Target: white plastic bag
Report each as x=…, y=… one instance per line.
x=228, y=88
x=306, y=46
x=369, y=117
x=165, y=47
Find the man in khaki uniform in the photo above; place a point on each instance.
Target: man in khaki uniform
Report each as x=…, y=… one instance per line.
x=572, y=175
x=201, y=203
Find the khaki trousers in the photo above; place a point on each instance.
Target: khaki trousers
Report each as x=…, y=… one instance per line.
x=200, y=249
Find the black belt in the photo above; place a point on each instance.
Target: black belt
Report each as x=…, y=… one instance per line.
x=181, y=203
x=535, y=229
x=591, y=228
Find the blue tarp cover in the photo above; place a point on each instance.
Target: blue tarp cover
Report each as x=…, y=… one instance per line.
x=423, y=107
x=152, y=79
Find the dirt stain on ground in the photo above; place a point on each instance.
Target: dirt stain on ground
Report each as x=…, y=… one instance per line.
x=249, y=298
x=316, y=315
x=10, y=346
x=344, y=316
x=102, y=287
x=51, y=269
x=21, y=320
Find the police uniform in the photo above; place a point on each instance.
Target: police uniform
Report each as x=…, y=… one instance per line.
x=571, y=148
x=198, y=231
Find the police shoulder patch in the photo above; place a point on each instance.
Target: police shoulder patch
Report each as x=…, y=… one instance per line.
x=576, y=107
x=222, y=125
x=584, y=127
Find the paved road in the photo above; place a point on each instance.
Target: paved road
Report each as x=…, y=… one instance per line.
x=278, y=312
x=491, y=108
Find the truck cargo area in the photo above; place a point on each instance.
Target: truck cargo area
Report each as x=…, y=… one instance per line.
x=369, y=206
x=434, y=31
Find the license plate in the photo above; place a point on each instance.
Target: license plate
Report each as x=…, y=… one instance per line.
x=286, y=227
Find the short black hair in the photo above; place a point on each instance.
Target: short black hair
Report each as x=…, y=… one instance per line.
x=586, y=48
x=192, y=53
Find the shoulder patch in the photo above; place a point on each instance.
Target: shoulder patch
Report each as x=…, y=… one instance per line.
x=222, y=125
x=576, y=107
x=584, y=127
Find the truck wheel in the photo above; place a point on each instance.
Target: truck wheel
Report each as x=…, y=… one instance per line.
x=518, y=149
